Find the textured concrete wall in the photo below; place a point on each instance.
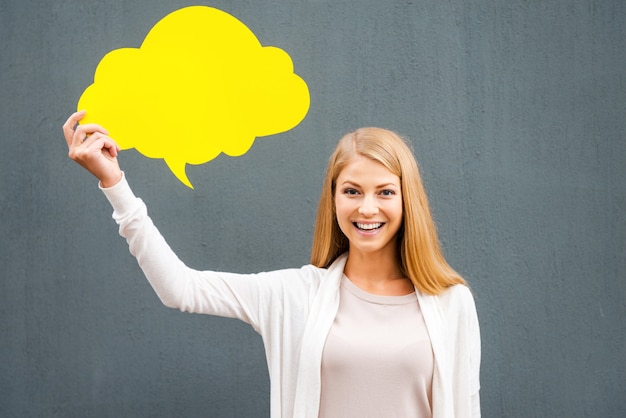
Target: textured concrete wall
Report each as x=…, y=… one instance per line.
x=516, y=109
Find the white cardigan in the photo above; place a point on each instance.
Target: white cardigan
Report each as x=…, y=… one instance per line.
x=293, y=311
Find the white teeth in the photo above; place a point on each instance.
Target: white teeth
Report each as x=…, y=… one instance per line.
x=368, y=227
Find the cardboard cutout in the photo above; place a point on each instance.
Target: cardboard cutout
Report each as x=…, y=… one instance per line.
x=200, y=84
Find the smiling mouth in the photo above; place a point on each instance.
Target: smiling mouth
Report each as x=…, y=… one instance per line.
x=368, y=227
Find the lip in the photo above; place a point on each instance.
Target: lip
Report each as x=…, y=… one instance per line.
x=368, y=227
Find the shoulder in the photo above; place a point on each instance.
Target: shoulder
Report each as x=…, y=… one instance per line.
x=306, y=278
x=307, y=274
x=312, y=274
x=457, y=294
x=457, y=302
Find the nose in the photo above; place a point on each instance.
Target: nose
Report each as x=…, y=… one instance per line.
x=368, y=206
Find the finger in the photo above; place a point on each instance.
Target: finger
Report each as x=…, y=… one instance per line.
x=70, y=125
x=103, y=142
x=90, y=153
x=74, y=119
x=111, y=146
x=86, y=138
x=83, y=132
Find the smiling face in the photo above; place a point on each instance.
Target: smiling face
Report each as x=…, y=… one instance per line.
x=368, y=205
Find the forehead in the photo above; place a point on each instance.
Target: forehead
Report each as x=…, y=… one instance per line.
x=365, y=170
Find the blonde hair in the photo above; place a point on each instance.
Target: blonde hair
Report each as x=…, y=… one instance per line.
x=421, y=258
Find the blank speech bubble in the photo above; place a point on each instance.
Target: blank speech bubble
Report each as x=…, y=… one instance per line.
x=201, y=84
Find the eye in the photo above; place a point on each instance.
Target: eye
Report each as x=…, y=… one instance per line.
x=387, y=192
x=350, y=191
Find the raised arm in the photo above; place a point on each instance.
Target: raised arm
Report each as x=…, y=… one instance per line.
x=243, y=296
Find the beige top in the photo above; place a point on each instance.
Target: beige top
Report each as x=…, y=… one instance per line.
x=377, y=360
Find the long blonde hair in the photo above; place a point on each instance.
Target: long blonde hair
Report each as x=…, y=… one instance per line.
x=421, y=258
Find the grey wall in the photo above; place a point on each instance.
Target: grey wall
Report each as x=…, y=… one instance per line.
x=516, y=109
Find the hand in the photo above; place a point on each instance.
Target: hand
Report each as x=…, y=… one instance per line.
x=90, y=146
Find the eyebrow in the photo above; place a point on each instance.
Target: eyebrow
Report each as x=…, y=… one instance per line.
x=377, y=187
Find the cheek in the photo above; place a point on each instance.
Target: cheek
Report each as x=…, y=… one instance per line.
x=340, y=206
x=398, y=213
x=343, y=228
x=401, y=212
x=342, y=213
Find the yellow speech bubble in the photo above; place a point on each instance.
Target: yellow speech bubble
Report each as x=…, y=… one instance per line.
x=200, y=84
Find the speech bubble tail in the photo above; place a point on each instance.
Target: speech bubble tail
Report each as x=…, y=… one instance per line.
x=178, y=169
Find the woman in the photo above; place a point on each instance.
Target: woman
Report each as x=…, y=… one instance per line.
x=378, y=325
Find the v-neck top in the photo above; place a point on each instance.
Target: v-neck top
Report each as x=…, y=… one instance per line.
x=378, y=359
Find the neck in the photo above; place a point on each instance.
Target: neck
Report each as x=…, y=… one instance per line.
x=379, y=274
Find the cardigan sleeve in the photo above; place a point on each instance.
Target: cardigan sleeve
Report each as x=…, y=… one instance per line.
x=459, y=354
x=475, y=355
x=248, y=297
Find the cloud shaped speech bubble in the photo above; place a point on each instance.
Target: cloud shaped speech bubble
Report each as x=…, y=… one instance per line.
x=200, y=84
